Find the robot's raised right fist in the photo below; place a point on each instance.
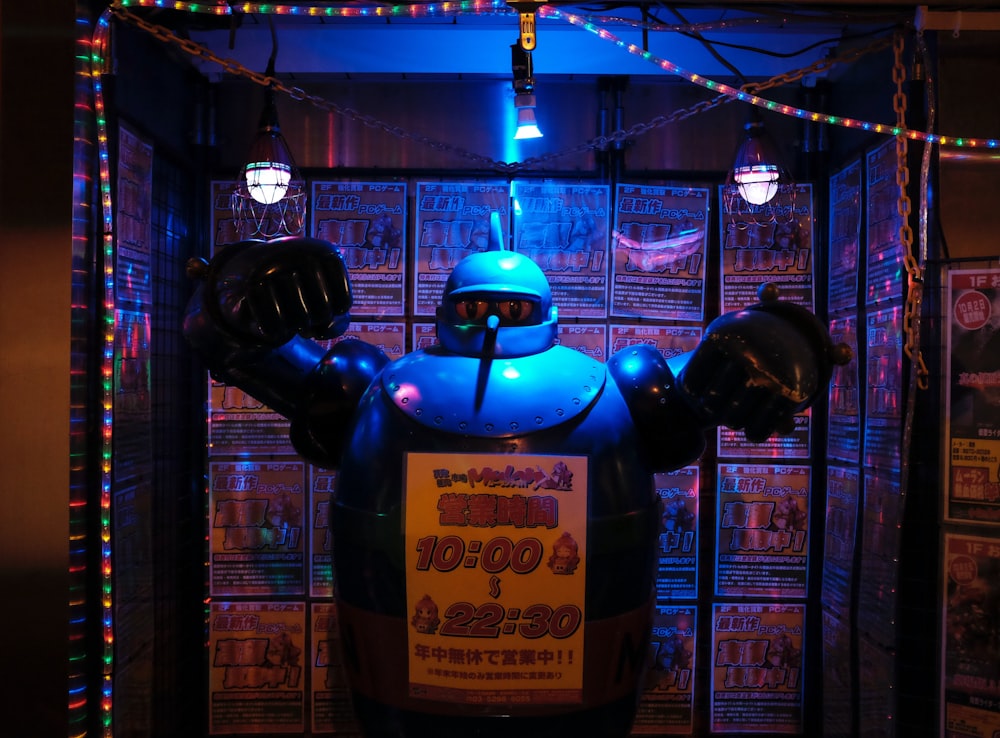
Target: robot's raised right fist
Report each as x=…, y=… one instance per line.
x=270, y=291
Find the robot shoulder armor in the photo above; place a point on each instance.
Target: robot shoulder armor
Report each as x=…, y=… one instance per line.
x=516, y=396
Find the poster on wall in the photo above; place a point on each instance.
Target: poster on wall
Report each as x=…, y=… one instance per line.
x=659, y=244
x=838, y=679
x=132, y=401
x=757, y=668
x=845, y=239
x=669, y=340
x=732, y=443
x=257, y=654
x=778, y=253
x=389, y=337
x=241, y=425
x=972, y=425
x=133, y=225
x=840, y=538
x=564, y=229
x=971, y=636
x=496, y=549
x=762, y=530
x=132, y=494
x=844, y=406
x=587, y=338
x=257, y=520
x=322, y=483
x=878, y=575
x=366, y=221
x=223, y=223
x=666, y=706
x=423, y=335
x=451, y=221
x=330, y=695
x=238, y=424
x=884, y=382
x=885, y=253
x=677, y=567
x=131, y=411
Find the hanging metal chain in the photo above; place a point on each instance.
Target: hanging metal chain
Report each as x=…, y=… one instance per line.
x=599, y=143
x=914, y=273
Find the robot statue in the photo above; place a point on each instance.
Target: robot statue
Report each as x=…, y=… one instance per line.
x=537, y=426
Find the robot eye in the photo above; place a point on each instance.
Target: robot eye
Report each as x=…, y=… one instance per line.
x=515, y=311
x=471, y=310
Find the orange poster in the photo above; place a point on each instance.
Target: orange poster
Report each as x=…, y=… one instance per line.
x=495, y=577
x=257, y=659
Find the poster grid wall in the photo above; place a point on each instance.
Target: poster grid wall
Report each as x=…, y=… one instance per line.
x=631, y=265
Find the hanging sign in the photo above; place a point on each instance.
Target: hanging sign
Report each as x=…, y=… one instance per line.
x=495, y=577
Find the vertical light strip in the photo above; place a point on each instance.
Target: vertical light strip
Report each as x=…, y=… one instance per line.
x=80, y=347
x=98, y=58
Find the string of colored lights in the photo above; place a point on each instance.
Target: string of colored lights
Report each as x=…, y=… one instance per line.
x=100, y=40
x=737, y=94
x=101, y=33
x=547, y=11
x=79, y=524
x=420, y=10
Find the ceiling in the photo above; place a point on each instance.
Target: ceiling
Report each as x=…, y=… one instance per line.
x=726, y=41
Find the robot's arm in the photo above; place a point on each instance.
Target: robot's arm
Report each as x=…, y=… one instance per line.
x=252, y=320
x=754, y=370
x=671, y=432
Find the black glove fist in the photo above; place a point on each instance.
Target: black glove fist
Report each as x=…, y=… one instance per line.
x=756, y=368
x=271, y=291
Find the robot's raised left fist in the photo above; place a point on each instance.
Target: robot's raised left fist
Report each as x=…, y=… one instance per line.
x=270, y=291
x=758, y=367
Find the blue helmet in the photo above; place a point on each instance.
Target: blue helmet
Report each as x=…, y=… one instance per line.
x=496, y=303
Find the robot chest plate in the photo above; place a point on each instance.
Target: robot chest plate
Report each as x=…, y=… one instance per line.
x=496, y=399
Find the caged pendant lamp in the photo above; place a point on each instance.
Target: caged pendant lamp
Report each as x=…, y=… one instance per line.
x=758, y=188
x=269, y=198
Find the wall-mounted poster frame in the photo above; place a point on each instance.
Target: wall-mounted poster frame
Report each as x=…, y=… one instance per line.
x=451, y=221
x=366, y=221
x=563, y=227
x=972, y=404
x=659, y=247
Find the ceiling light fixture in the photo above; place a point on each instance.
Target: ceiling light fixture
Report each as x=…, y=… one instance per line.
x=269, y=198
x=524, y=76
x=758, y=177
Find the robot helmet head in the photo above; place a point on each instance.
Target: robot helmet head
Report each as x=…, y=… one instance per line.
x=497, y=302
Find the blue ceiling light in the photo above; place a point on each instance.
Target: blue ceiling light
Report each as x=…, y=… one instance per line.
x=524, y=77
x=524, y=93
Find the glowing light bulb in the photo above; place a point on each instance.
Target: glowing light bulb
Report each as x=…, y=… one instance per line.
x=757, y=184
x=267, y=181
x=527, y=125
